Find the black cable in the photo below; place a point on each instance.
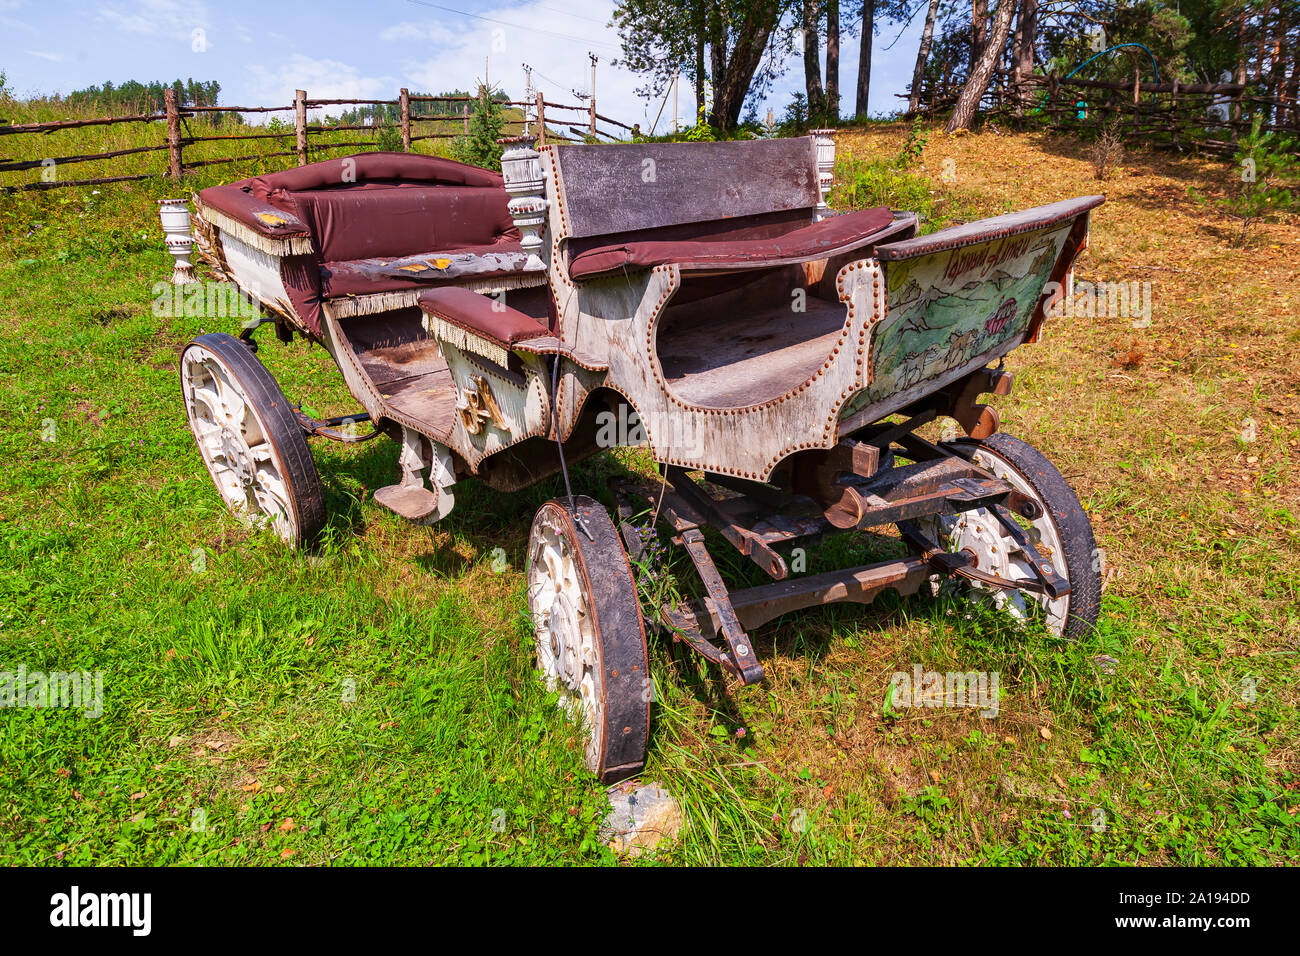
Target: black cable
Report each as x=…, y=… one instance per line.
x=555, y=420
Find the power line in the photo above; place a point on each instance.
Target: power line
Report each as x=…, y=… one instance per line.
x=555, y=83
x=577, y=16
x=517, y=26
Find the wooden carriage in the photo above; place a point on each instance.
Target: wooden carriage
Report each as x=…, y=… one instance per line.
x=775, y=357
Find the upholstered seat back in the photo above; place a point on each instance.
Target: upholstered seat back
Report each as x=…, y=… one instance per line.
x=391, y=220
x=380, y=205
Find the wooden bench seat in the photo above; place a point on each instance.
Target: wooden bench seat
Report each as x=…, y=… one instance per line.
x=818, y=240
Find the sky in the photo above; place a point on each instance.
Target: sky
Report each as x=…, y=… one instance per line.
x=261, y=52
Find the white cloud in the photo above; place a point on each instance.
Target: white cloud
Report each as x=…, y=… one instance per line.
x=536, y=32
x=177, y=19
x=9, y=23
x=322, y=79
x=409, y=31
x=44, y=55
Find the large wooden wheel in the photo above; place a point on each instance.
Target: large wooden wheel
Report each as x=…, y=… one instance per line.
x=589, y=633
x=250, y=440
x=1061, y=534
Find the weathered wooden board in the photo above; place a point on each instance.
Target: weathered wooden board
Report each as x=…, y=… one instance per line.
x=738, y=358
x=610, y=189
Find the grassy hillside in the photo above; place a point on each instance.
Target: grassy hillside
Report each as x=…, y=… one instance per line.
x=375, y=701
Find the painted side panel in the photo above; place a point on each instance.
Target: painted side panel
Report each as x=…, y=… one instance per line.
x=948, y=308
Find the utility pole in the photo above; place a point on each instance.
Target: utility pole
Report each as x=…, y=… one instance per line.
x=677, y=79
x=593, y=91
x=528, y=93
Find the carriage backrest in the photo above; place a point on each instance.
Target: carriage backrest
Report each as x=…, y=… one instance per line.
x=391, y=204
x=615, y=190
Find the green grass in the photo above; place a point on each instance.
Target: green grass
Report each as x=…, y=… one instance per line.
x=375, y=701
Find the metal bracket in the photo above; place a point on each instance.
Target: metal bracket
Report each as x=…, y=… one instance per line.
x=692, y=505
x=1053, y=584
x=1047, y=580
x=741, y=661
x=340, y=428
x=980, y=421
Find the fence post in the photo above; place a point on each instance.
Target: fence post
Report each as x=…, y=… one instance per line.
x=404, y=102
x=1173, y=114
x=300, y=124
x=174, y=167
x=541, y=119
x=464, y=117
x=1137, y=99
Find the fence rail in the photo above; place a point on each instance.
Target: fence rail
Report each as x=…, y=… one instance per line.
x=176, y=141
x=1181, y=115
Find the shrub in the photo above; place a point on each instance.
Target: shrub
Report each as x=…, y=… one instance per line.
x=914, y=145
x=479, y=146
x=1266, y=162
x=863, y=184
x=388, y=139
x=701, y=132
x=1107, y=152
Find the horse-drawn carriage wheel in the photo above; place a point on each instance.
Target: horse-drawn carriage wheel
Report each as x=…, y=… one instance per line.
x=1062, y=534
x=250, y=439
x=590, y=636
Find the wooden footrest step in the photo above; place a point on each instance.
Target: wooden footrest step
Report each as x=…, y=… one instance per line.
x=408, y=501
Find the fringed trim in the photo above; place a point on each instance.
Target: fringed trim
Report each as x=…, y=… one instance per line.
x=353, y=305
x=504, y=283
x=289, y=246
x=373, y=304
x=465, y=340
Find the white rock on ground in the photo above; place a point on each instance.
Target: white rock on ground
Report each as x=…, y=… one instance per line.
x=641, y=816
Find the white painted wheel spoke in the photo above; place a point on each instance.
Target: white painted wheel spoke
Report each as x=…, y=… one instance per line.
x=231, y=438
x=566, y=643
x=979, y=533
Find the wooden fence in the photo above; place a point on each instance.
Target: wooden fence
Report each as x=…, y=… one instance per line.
x=176, y=141
x=1203, y=116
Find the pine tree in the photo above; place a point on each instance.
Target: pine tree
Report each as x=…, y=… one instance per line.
x=479, y=146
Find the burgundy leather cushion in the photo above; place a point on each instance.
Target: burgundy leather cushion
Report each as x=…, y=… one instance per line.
x=374, y=221
x=302, y=280
x=825, y=238
x=244, y=207
x=384, y=204
x=481, y=314
x=369, y=167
